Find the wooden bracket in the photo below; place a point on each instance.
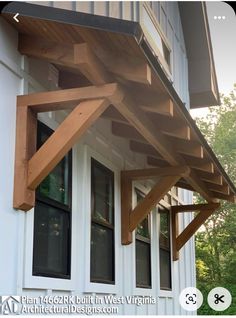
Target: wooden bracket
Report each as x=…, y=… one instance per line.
x=32, y=167
x=130, y=217
x=179, y=240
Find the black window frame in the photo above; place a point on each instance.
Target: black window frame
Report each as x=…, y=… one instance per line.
x=61, y=207
x=166, y=248
x=110, y=226
x=143, y=240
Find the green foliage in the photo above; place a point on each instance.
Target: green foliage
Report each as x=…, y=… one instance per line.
x=216, y=241
x=206, y=309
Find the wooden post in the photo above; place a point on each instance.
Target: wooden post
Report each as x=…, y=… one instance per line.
x=26, y=129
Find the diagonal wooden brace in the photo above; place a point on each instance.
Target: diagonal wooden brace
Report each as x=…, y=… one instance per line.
x=63, y=139
x=179, y=240
x=130, y=218
x=32, y=167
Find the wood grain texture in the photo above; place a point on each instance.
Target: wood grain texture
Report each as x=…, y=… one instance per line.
x=145, y=206
x=67, y=98
x=62, y=140
x=26, y=129
x=142, y=174
x=195, y=224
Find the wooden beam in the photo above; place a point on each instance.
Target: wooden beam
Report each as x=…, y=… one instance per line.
x=157, y=162
x=145, y=206
x=224, y=188
x=195, y=224
x=121, y=128
x=89, y=65
x=190, y=148
x=199, y=186
x=184, y=185
x=26, y=129
x=178, y=240
x=112, y=114
x=46, y=50
x=131, y=69
x=162, y=105
x=142, y=174
x=144, y=148
x=78, y=57
x=171, y=126
x=211, y=177
x=126, y=209
x=153, y=101
x=144, y=126
x=231, y=197
x=135, y=70
x=139, y=120
x=62, y=140
x=125, y=131
x=194, y=207
x=68, y=98
x=196, y=164
x=202, y=164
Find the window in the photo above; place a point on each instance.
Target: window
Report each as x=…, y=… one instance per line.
x=165, y=253
x=151, y=17
x=143, y=250
x=102, y=256
x=52, y=218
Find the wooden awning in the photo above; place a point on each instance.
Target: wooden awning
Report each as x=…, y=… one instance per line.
x=120, y=79
x=100, y=50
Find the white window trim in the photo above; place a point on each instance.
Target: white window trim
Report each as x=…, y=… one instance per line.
x=138, y=291
x=40, y=282
x=146, y=9
x=88, y=285
x=162, y=292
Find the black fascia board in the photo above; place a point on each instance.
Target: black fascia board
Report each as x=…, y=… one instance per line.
x=87, y=20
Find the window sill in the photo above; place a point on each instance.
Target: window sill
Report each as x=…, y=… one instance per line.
x=101, y=288
x=40, y=282
x=166, y=293
x=143, y=292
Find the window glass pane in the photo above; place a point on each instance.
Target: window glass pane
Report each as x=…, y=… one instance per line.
x=102, y=254
x=165, y=254
x=143, y=227
x=164, y=229
x=56, y=185
x=143, y=264
x=102, y=193
x=51, y=241
x=165, y=269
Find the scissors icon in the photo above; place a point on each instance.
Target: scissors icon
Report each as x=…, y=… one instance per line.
x=218, y=299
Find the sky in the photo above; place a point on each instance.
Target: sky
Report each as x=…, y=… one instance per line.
x=223, y=38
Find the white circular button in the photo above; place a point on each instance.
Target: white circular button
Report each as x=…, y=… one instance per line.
x=191, y=298
x=219, y=299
